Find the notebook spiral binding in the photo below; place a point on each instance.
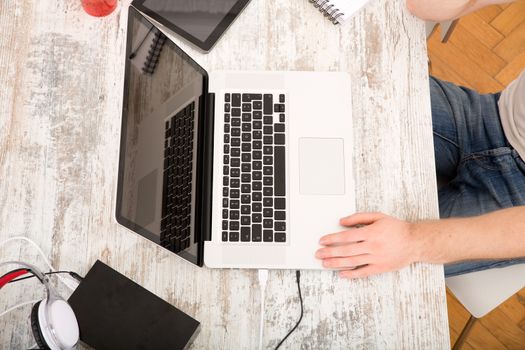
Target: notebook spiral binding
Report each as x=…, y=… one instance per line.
x=154, y=53
x=328, y=10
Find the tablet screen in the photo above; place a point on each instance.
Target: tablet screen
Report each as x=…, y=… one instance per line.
x=199, y=21
x=198, y=18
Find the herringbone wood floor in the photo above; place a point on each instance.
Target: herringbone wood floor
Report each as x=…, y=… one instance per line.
x=485, y=52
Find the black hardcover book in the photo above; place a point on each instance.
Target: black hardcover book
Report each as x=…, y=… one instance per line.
x=114, y=312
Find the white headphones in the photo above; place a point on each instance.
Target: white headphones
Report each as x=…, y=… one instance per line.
x=53, y=321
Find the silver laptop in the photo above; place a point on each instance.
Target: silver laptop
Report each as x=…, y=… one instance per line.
x=231, y=169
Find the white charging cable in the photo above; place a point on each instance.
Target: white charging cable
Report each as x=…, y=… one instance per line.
x=68, y=283
x=263, y=278
x=19, y=305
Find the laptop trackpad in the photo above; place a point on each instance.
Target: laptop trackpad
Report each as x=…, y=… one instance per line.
x=321, y=166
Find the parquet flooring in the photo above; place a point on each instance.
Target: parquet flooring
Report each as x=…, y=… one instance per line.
x=485, y=52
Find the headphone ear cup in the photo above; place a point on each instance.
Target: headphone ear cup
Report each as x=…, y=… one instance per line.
x=35, y=326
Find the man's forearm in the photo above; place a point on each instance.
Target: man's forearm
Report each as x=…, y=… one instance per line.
x=498, y=235
x=441, y=10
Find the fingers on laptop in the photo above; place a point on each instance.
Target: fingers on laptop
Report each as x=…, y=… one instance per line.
x=344, y=237
x=347, y=262
x=362, y=271
x=347, y=250
x=361, y=219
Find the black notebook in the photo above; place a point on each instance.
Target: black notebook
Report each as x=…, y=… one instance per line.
x=114, y=312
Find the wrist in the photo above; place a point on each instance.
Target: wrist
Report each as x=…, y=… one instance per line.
x=439, y=241
x=418, y=243
x=425, y=242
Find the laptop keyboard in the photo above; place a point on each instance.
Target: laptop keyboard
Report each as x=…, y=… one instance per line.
x=177, y=180
x=254, y=179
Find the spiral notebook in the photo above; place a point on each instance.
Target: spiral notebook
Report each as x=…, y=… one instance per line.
x=147, y=49
x=338, y=11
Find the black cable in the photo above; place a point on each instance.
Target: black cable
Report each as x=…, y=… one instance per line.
x=76, y=276
x=71, y=273
x=298, y=279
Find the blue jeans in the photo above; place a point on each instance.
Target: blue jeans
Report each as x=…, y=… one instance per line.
x=479, y=169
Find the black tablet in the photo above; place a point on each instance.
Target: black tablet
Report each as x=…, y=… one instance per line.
x=201, y=22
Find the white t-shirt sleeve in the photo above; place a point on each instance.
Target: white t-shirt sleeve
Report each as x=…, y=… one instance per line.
x=512, y=112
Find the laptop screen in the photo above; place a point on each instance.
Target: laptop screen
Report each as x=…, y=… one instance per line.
x=163, y=99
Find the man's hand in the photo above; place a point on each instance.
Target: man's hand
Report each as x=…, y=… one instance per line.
x=384, y=244
x=387, y=244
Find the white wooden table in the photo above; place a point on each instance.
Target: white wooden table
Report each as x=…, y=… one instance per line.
x=61, y=75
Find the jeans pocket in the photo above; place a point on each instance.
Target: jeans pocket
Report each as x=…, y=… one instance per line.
x=499, y=159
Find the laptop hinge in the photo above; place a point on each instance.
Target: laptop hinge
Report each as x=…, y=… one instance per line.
x=207, y=181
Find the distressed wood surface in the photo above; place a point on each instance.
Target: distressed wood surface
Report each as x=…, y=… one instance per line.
x=61, y=75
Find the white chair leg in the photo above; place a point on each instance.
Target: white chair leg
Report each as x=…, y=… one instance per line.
x=464, y=333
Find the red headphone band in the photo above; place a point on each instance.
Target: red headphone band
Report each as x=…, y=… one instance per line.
x=11, y=275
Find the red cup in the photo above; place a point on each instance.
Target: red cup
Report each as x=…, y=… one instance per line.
x=99, y=8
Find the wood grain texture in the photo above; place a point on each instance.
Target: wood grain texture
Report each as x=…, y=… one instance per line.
x=489, y=13
x=457, y=317
x=471, y=71
x=481, y=338
x=510, y=18
x=61, y=99
x=476, y=50
x=512, y=70
x=482, y=30
x=512, y=45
